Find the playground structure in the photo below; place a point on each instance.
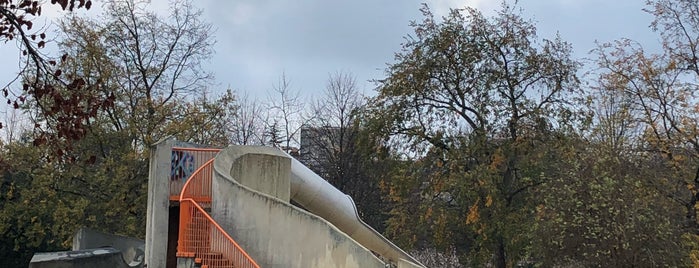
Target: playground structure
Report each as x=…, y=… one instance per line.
x=233, y=207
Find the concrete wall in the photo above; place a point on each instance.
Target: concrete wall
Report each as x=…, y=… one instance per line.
x=157, y=212
x=132, y=249
x=266, y=173
x=273, y=232
x=103, y=257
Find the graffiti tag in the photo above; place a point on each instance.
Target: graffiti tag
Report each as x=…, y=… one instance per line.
x=182, y=165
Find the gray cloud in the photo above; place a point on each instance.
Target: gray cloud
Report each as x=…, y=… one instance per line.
x=260, y=39
x=307, y=40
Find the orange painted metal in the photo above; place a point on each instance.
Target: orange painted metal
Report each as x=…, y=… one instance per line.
x=208, y=241
x=198, y=186
x=199, y=235
x=185, y=160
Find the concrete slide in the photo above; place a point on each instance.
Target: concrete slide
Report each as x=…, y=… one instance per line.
x=321, y=198
x=305, y=188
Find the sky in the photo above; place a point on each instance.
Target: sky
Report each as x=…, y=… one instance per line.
x=307, y=40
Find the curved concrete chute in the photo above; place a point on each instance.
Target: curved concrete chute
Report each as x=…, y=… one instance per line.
x=304, y=187
x=321, y=198
x=245, y=169
x=251, y=201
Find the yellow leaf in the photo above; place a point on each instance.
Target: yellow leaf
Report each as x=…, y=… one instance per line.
x=472, y=214
x=497, y=160
x=694, y=256
x=488, y=201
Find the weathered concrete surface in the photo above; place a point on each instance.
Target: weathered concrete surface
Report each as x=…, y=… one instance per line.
x=267, y=173
x=102, y=257
x=157, y=212
x=273, y=232
x=132, y=249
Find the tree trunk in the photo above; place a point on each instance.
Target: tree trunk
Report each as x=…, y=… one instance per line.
x=500, y=258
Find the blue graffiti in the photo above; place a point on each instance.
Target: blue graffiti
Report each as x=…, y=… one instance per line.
x=182, y=165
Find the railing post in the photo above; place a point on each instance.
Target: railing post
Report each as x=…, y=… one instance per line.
x=185, y=220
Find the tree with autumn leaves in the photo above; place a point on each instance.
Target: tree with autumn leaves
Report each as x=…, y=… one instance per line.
x=65, y=102
x=484, y=141
x=509, y=160
x=660, y=92
x=146, y=70
x=473, y=102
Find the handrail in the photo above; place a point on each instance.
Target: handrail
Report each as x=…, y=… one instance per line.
x=202, y=187
x=236, y=254
x=199, y=234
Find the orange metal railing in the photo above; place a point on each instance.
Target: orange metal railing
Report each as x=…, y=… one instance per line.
x=198, y=186
x=206, y=240
x=199, y=235
x=184, y=162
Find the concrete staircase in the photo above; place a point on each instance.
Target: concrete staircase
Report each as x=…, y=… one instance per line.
x=197, y=234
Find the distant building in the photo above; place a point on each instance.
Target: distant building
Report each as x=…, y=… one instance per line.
x=315, y=145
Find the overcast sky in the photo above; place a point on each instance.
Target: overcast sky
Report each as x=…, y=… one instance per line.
x=258, y=40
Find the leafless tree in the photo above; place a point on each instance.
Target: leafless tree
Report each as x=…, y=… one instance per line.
x=15, y=125
x=333, y=145
x=248, y=126
x=332, y=131
x=149, y=65
x=160, y=58
x=285, y=119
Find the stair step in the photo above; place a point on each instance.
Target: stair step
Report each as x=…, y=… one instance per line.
x=219, y=266
x=215, y=260
x=211, y=255
x=214, y=264
x=189, y=230
x=197, y=235
x=197, y=231
x=203, y=242
x=198, y=249
x=197, y=240
x=199, y=226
